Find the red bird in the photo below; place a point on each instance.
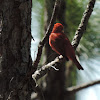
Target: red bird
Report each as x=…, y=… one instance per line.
x=61, y=44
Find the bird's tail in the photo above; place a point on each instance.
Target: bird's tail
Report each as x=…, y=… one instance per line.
x=78, y=65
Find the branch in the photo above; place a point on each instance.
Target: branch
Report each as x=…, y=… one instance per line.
x=75, y=89
x=49, y=29
x=84, y=21
x=44, y=69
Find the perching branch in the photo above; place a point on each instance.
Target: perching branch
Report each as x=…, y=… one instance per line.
x=81, y=29
x=74, y=89
x=44, y=69
x=49, y=29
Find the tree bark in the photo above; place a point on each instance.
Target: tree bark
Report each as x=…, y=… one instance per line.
x=16, y=40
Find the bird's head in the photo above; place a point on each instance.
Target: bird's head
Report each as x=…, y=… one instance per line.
x=58, y=27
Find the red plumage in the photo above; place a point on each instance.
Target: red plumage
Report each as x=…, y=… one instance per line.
x=61, y=44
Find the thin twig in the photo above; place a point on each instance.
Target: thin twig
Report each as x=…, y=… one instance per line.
x=49, y=29
x=43, y=70
x=32, y=37
x=74, y=89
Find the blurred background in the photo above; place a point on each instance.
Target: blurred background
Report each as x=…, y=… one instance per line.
x=88, y=50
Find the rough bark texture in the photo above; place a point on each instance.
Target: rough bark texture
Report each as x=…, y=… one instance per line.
x=16, y=40
x=0, y=32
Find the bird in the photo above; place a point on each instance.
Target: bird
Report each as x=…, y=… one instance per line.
x=60, y=43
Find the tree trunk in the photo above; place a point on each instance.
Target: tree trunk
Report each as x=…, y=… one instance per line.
x=16, y=40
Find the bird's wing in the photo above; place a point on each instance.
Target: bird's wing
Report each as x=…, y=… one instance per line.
x=70, y=53
x=58, y=43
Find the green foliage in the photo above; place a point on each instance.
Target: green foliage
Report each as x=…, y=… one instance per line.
x=89, y=45
x=74, y=12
